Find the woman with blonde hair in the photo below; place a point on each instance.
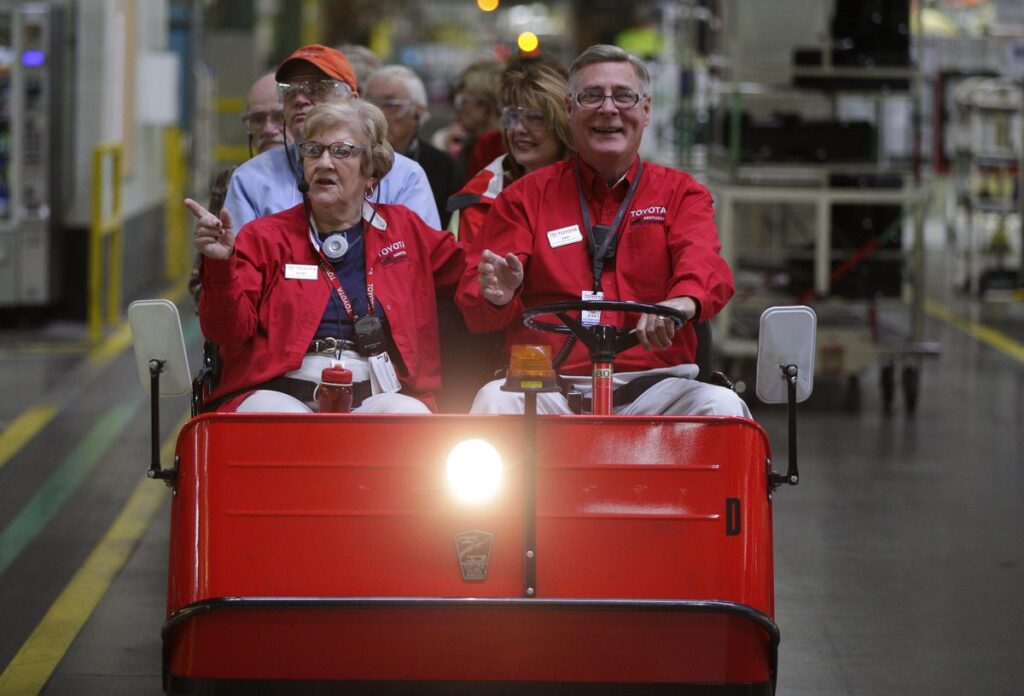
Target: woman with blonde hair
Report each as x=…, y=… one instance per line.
x=535, y=130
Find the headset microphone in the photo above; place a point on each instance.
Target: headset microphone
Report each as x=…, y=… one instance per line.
x=303, y=186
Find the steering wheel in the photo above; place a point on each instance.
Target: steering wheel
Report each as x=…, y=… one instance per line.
x=604, y=341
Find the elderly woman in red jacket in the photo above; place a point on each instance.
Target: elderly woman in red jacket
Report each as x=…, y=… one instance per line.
x=336, y=279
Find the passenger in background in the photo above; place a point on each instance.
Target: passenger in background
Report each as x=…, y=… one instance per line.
x=535, y=130
x=264, y=123
x=536, y=133
x=400, y=94
x=332, y=278
x=264, y=116
x=476, y=109
x=271, y=182
x=605, y=225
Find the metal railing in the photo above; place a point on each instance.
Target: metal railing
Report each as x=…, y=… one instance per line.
x=177, y=256
x=106, y=233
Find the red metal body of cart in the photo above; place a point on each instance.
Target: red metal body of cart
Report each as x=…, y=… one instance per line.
x=326, y=551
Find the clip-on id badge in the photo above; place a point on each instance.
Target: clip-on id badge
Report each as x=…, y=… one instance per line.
x=591, y=317
x=383, y=378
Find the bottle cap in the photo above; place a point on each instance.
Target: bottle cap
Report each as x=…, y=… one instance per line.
x=336, y=375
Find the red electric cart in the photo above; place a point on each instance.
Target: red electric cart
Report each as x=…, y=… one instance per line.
x=597, y=554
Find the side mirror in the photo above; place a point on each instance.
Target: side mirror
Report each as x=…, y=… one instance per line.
x=785, y=370
x=163, y=366
x=786, y=338
x=156, y=335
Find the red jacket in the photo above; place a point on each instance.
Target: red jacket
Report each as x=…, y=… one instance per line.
x=486, y=148
x=668, y=247
x=474, y=200
x=264, y=322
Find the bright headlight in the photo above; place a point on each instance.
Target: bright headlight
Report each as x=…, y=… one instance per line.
x=474, y=471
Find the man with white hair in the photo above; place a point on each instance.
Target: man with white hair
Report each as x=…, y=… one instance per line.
x=400, y=94
x=603, y=225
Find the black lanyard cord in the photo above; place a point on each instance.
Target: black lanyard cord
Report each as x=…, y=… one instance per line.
x=599, y=247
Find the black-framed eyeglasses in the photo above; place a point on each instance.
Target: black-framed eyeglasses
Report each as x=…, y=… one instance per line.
x=254, y=120
x=317, y=90
x=339, y=151
x=533, y=120
x=621, y=98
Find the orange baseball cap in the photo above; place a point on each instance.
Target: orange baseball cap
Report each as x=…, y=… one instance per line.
x=329, y=60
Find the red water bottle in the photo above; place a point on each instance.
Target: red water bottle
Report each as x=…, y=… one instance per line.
x=335, y=392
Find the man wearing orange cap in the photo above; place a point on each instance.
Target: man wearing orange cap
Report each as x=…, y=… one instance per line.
x=273, y=181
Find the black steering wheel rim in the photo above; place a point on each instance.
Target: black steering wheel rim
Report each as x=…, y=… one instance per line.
x=557, y=308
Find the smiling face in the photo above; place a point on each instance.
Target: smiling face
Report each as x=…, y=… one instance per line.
x=530, y=140
x=337, y=187
x=607, y=137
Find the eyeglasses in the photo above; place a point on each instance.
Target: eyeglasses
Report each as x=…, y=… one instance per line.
x=316, y=90
x=533, y=120
x=339, y=151
x=395, y=107
x=594, y=98
x=255, y=120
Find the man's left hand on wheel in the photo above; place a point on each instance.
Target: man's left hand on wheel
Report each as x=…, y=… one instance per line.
x=655, y=332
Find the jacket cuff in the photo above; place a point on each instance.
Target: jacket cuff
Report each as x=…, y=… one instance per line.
x=217, y=270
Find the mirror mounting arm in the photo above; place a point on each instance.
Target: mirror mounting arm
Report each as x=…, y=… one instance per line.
x=155, y=472
x=792, y=475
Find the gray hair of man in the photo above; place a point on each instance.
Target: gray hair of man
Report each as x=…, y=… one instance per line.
x=412, y=82
x=359, y=116
x=606, y=53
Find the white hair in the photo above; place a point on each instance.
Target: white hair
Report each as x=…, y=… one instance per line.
x=413, y=83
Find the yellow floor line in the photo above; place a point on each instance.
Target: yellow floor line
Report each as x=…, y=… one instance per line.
x=29, y=422
x=23, y=428
x=985, y=334
x=111, y=347
x=28, y=672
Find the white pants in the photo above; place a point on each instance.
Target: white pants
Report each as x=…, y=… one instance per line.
x=675, y=395
x=269, y=401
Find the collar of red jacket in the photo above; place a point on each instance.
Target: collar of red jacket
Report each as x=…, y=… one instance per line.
x=595, y=184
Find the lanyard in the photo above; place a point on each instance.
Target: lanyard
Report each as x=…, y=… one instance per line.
x=597, y=255
x=335, y=282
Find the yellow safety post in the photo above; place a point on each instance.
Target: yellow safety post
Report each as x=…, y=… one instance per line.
x=177, y=257
x=228, y=154
x=312, y=22
x=107, y=228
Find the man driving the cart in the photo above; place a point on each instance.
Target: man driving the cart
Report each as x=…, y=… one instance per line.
x=604, y=225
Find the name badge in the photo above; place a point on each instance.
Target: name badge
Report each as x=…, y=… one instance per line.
x=591, y=317
x=565, y=235
x=383, y=379
x=300, y=271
